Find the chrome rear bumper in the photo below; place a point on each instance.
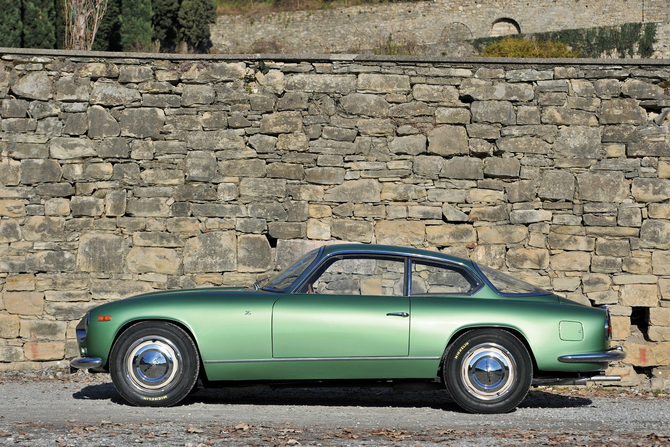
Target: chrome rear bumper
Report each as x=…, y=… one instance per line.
x=613, y=355
x=86, y=363
x=546, y=381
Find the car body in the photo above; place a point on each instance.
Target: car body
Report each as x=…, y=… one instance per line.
x=364, y=314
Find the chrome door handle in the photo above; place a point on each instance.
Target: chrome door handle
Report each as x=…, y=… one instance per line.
x=397, y=314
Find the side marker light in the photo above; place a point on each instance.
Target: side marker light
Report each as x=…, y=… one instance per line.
x=105, y=318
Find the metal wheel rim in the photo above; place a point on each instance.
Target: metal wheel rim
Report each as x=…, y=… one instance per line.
x=152, y=363
x=488, y=371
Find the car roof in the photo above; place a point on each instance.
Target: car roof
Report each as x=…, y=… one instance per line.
x=392, y=250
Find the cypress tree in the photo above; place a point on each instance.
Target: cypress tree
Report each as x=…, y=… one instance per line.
x=108, y=37
x=59, y=22
x=11, y=26
x=135, y=29
x=39, y=30
x=194, y=19
x=165, y=23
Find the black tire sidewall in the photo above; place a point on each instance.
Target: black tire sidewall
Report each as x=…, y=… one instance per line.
x=187, y=373
x=457, y=389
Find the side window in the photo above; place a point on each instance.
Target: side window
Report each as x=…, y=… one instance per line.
x=439, y=279
x=358, y=276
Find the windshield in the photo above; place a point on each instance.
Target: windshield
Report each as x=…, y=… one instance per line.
x=507, y=285
x=283, y=280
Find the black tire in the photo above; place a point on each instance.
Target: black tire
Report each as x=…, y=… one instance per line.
x=488, y=371
x=154, y=363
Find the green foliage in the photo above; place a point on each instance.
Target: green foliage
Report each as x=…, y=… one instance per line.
x=165, y=23
x=527, y=48
x=59, y=24
x=393, y=48
x=194, y=19
x=109, y=31
x=39, y=30
x=11, y=25
x=623, y=41
x=136, y=32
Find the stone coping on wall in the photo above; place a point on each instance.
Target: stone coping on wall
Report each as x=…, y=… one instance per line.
x=334, y=58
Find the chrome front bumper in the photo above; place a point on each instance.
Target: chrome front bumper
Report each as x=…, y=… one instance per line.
x=613, y=355
x=86, y=363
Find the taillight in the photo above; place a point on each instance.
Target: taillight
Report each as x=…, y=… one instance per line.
x=608, y=324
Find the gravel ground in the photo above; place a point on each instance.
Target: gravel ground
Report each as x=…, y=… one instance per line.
x=51, y=408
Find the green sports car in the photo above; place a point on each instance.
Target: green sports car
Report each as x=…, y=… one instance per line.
x=353, y=315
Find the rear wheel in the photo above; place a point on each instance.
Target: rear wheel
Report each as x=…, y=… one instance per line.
x=488, y=371
x=154, y=364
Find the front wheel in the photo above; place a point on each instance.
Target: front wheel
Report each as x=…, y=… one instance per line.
x=154, y=364
x=488, y=371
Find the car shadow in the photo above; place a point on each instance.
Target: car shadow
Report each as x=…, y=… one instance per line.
x=333, y=397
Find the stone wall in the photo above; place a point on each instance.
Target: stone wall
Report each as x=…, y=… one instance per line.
x=439, y=28
x=123, y=175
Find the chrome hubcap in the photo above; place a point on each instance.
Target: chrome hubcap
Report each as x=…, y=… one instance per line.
x=488, y=371
x=152, y=363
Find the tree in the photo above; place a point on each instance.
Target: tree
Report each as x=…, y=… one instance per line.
x=82, y=19
x=194, y=19
x=136, y=30
x=11, y=26
x=109, y=32
x=39, y=30
x=164, y=21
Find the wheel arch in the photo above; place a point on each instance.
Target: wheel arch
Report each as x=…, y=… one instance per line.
x=516, y=332
x=128, y=324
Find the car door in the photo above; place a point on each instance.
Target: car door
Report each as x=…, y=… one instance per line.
x=351, y=307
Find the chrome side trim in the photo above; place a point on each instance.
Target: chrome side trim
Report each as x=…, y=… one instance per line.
x=86, y=362
x=613, y=355
x=318, y=359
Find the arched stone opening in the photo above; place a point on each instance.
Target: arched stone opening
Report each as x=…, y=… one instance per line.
x=505, y=27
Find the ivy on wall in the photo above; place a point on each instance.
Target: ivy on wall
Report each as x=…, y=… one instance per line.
x=623, y=41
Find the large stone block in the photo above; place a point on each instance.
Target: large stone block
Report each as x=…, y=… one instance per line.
x=153, y=260
x=43, y=330
x=366, y=105
x=434, y=93
x=622, y=111
x=213, y=72
x=380, y=83
x=502, y=234
x=42, y=351
x=87, y=206
x=10, y=231
x=101, y=253
x=650, y=189
x=560, y=241
x=9, y=326
x=566, y=117
x=578, y=142
x=524, y=144
x=524, y=258
x=42, y=229
x=352, y=230
x=194, y=95
x=402, y=192
x=142, y=123
x=254, y=189
x=281, y=122
x=403, y=233
x=448, y=140
x=40, y=171
x=34, y=85
x=148, y=207
x=24, y=303
x=659, y=316
x=211, y=252
x=253, y=253
x=355, y=191
x=113, y=94
x=481, y=90
x=428, y=166
x=602, y=186
x=101, y=124
x=64, y=148
x=495, y=112
x=51, y=261
x=641, y=90
x=112, y=289
x=638, y=295
x=216, y=140
x=14, y=108
x=287, y=230
x=412, y=145
x=655, y=233
x=571, y=261
x=501, y=167
x=445, y=235
x=463, y=168
x=318, y=83
x=325, y=175
x=73, y=88
x=12, y=208
x=529, y=216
